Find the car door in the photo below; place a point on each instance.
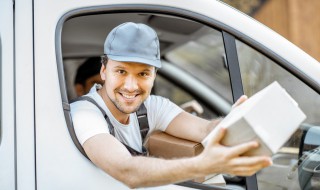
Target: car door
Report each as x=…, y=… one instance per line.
x=57, y=157
x=59, y=164
x=7, y=125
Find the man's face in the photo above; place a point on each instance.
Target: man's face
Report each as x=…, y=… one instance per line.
x=127, y=85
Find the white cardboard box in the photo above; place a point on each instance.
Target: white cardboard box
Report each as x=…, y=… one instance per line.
x=270, y=116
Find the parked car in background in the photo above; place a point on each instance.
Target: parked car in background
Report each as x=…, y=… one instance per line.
x=211, y=53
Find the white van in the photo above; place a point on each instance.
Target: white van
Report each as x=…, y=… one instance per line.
x=211, y=53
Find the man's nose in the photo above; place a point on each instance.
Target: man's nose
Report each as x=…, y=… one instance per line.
x=131, y=83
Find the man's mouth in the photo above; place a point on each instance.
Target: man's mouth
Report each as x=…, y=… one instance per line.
x=127, y=96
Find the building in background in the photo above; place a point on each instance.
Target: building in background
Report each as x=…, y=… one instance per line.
x=296, y=20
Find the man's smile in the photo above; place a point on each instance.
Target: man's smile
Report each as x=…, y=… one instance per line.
x=128, y=96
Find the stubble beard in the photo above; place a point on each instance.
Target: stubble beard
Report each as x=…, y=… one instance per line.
x=120, y=105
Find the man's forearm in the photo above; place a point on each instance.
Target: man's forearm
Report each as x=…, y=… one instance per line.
x=167, y=171
x=146, y=171
x=139, y=171
x=190, y=127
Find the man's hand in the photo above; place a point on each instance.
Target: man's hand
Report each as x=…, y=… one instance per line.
x=217, y=158
x=242, y=99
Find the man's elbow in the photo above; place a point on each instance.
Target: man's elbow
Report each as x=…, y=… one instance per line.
x=132, y=181
x=132, y=184
x=129, y=176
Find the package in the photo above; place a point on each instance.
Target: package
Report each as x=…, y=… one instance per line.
x=166, y=146
x=270, y=116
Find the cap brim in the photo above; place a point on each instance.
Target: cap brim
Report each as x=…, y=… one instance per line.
x=155, y=63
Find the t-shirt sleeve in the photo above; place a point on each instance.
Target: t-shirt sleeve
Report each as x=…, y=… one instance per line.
x=88, y=120
x=161, y=111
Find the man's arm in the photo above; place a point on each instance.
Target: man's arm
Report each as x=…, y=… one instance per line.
x=190, y=127
x=110, y=155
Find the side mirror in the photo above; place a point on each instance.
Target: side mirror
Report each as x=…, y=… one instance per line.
x=309, y=154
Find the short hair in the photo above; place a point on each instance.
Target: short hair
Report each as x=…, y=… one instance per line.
x=104, y=59
x=88, y=69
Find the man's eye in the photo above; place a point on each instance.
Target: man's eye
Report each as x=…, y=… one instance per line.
x=121, y=71
x=144, y=74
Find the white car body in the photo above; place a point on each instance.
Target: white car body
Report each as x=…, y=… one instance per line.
x=36, y=151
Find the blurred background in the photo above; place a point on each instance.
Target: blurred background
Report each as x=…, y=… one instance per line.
x=296, y=20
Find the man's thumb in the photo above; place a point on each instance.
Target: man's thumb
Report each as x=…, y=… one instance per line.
x=216, y=136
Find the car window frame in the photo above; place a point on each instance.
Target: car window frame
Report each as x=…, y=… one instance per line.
x=251, y=182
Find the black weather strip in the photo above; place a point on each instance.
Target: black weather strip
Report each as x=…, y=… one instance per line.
x=233, y=64
x=236, y=85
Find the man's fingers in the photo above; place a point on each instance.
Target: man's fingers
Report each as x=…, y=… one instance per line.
x=247, y=166
x=217, y=136
x=242, y=99
x=252, y=161
x=243, y=148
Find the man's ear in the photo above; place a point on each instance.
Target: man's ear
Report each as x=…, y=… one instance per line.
x=102, y=72
x=155, y=73
x=79, y=89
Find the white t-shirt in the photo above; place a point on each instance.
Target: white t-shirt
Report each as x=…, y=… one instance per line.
x=88, y=120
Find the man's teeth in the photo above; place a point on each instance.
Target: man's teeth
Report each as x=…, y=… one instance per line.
x=128, y=96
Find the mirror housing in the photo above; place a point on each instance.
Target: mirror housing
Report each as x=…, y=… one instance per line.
x=309, y=158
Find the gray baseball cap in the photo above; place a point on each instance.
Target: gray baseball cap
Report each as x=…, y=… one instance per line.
x=133, y=42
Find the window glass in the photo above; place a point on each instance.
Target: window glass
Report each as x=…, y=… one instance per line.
x=258, y=71
x=165, y=88
x=204, y=58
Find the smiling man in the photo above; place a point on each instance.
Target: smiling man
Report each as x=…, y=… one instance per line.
x=110, y=131
x=127, y=86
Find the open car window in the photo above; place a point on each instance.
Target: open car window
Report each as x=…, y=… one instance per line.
x=193, y=54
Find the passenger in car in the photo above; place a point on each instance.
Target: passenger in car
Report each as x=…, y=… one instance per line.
x=87, y=75
x=130, y=63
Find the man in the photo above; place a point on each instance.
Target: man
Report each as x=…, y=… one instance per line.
x=87, y=75
x=129, y=67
